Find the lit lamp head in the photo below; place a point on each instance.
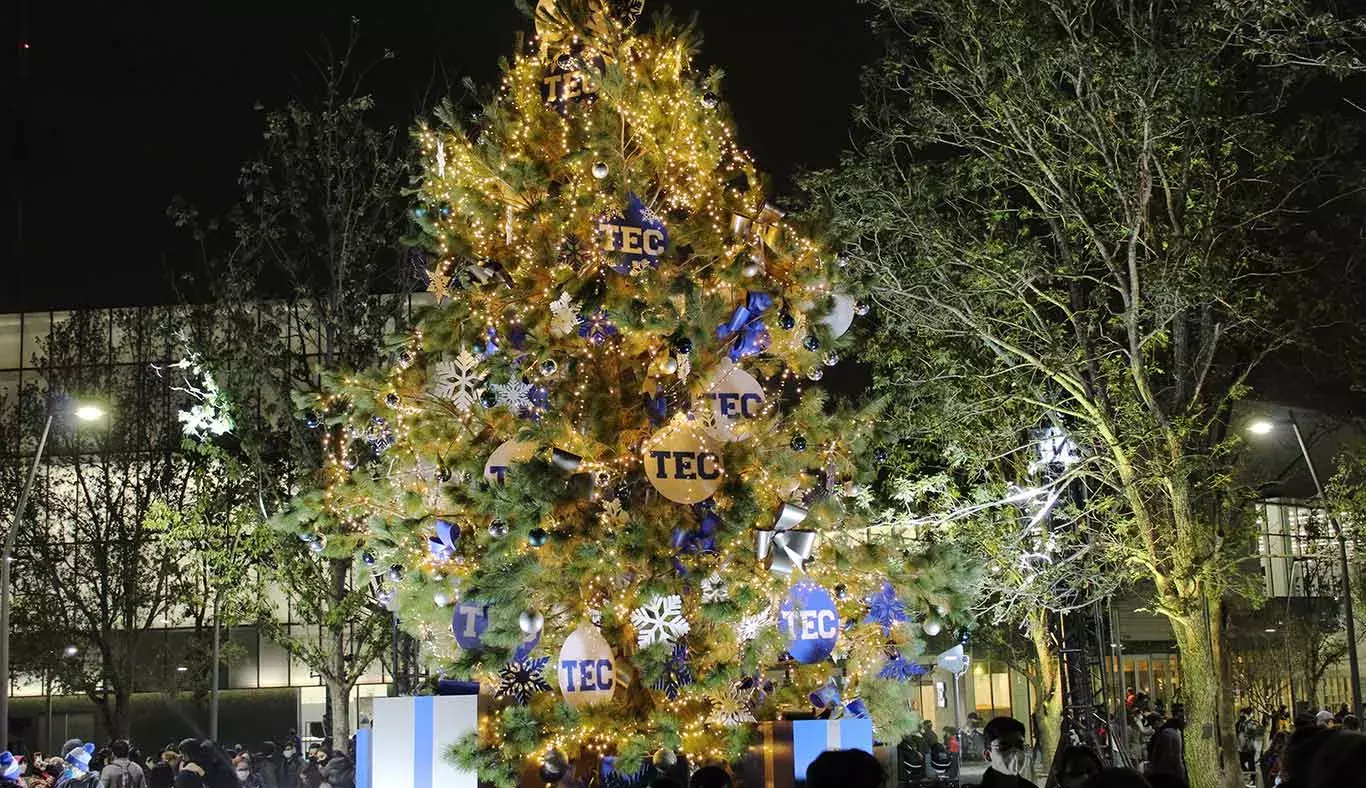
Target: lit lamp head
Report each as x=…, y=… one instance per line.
x=88, y=412
x=1261, y=426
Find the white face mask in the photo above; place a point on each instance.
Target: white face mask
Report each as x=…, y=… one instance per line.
x=243, y=774
x=1011, y=762
x=289, y=752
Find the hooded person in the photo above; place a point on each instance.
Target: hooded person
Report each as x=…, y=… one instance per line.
x=10, y=768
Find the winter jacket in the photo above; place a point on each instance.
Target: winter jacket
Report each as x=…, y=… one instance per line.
x=1166, y=753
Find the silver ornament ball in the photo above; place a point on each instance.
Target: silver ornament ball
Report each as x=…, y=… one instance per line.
x=831, y=359
x=600, y=170
x=530, y=622
x=816, y=373
x=664, y=758
x=442, y=599
x=861, y=308
x=932, y=627
x=670, y=365
x=498, y=529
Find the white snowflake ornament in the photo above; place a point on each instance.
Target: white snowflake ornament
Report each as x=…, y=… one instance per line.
x=750, y=626
x=515, y=395
x=714, y=590
x=459, y=381
x=564, y=316
x=659, y=620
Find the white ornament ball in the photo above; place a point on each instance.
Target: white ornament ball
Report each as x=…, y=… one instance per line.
x=664, y=759
x=442, y=599
x=750, y=270
x=932, y=627
x=530, y=622
x=600, y=170
x=670, y=365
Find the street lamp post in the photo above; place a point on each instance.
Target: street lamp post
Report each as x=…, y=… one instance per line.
x=84, y=413
x=1262, y=427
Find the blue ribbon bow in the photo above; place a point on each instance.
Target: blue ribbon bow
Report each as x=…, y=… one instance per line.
x=748, y=323
x=828, y=704
x=701, y=539
x=442, y=545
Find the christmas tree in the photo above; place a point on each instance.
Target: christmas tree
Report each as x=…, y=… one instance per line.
x=596, y=477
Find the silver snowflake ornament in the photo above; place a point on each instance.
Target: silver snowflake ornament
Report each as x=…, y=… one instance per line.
x=520, y=680
x=459, y=381
x=659, y=620
x=732, y=709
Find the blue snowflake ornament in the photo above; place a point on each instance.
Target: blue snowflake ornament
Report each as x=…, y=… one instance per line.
x=597, y=327
x=520, y=680
x=886, y=609
x=676, y=672
x=898, y=668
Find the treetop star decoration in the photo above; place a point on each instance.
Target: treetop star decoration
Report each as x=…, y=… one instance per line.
x=519, y=680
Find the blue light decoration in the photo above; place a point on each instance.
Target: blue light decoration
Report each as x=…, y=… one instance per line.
x=809, y=621
x=746, y=324
x=886, y=609
x=638, y=238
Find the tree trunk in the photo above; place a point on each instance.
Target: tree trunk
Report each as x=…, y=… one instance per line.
x=339, y=698
x=1047, y=707
x=338, y=689
x=1203, y=690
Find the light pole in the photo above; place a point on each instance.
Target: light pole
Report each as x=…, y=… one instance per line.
x=1264, y=426
x=84, y=412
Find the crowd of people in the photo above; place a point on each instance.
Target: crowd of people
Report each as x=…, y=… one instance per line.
x=193, y=763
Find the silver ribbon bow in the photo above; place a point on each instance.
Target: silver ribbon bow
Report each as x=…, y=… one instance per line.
x=784, y=547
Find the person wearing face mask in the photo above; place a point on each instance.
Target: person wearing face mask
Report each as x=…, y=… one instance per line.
x=290, y=764
x=1006, y=753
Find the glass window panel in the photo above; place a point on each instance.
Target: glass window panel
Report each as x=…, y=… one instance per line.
x=981, y=689
x=274, y=664
x=1000, y=694
x=242, y=671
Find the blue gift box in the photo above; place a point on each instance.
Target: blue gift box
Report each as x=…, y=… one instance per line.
x=786, y=748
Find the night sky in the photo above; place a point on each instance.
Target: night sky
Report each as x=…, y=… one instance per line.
x=129, y=103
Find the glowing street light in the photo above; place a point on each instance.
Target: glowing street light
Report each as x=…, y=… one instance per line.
x=83, y=411
x=88, y=412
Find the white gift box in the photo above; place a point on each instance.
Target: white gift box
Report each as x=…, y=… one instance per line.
x=410, y=737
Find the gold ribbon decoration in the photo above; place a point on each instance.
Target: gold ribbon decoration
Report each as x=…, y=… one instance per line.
x=760, y=231
x=784, y=548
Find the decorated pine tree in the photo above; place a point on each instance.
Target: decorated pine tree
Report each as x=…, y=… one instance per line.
x=598, y=478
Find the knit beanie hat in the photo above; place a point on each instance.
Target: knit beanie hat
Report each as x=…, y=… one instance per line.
x=80, y=757
x=10, y=766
